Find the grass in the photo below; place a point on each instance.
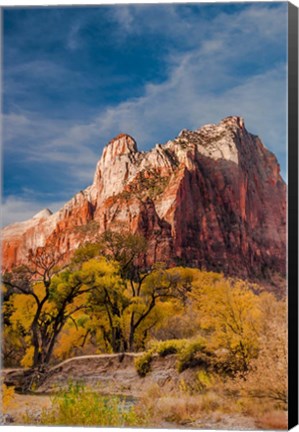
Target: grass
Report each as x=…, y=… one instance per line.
x=274, y=420
x=267, y=414
x=183, y=408
x=77, y=406
x=177, y=407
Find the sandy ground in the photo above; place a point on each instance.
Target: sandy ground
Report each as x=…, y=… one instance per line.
x=23, y=404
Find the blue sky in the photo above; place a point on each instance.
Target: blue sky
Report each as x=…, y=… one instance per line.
x=74, y=77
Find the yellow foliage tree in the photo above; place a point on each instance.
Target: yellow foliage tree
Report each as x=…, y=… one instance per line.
x=127, y=304
x=45, y=298
x=229, y=312
x=72, y=339
x=267, y=378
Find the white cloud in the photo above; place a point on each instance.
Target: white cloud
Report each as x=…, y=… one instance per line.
x=203, y=85
x=73, y=40
x=42, y=140
x=191, y=28
x=15, y=209
x=174, y=105
x=124, y=17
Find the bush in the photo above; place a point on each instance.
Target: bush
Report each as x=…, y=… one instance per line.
x=143, y=363
x=79, y=407
x=7, y=397
x=163, y=349
x=190, y=354
x=193, y=354
x=204, y=380
x=168, y=347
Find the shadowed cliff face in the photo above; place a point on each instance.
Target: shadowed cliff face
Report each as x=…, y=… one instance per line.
x=211, y=198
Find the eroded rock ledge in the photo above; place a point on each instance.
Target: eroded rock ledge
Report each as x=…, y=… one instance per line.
x=111, y=374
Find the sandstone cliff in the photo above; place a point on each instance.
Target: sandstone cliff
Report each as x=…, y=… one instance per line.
x=211, y=198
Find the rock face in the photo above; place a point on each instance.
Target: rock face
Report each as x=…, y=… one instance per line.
x=211, y=198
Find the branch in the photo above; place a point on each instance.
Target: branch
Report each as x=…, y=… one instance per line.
x=23, y=291
x=72, y=319
x=145, y=314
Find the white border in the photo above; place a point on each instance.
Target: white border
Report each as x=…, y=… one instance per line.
x=24, y=3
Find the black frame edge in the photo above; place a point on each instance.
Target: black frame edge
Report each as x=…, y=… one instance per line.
x=292, y=215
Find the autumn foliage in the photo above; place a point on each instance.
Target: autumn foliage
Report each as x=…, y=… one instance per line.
x=106, y=300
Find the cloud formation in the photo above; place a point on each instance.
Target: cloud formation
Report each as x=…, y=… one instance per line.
x=209, y=63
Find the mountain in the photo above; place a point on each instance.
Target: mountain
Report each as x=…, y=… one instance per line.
x=211, y=198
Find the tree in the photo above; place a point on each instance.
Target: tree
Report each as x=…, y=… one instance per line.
x=128, y=300
x=119, y=296
x=267, y=376
x=13, y=338
x=229, y=312
x=33, y=282
x=44, y=298
x=152, y=289
x=127, y=249
x=107, y=300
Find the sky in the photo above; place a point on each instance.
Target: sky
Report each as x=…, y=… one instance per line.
x=75, y=77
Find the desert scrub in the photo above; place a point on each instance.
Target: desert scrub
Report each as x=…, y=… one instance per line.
x=7, y=397
x=164, y=348
x=189, y=354
x=172, y=346
x=204, y=380
x=143, y=363
x=193, y=354
x=77, y=406
x=91, y=227
x=176, y=407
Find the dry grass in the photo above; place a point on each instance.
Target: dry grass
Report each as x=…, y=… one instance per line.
x=275, y=420
x=178, y=407
x=267, y=413
x=216, y=404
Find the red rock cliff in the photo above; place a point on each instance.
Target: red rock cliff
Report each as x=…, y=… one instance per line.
x=212, y=198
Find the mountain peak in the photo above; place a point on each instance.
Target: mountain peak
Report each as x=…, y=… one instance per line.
x=122, y=144
x=200, y=198
x=234, y=121
x=115, y=166
x=43, y=214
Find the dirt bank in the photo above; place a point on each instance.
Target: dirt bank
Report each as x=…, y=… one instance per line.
x=113, y=374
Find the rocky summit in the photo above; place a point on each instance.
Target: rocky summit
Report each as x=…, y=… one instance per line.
x=211, y=198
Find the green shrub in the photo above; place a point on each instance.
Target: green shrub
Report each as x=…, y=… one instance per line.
x=204, y=380
x=143, y=363
x=79, y=407
x=193, y=354
x=172, y=346
x=189, y=354
x=164, y=348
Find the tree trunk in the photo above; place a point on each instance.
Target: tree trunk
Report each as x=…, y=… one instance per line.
x=131, y=338
x=35, y=343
